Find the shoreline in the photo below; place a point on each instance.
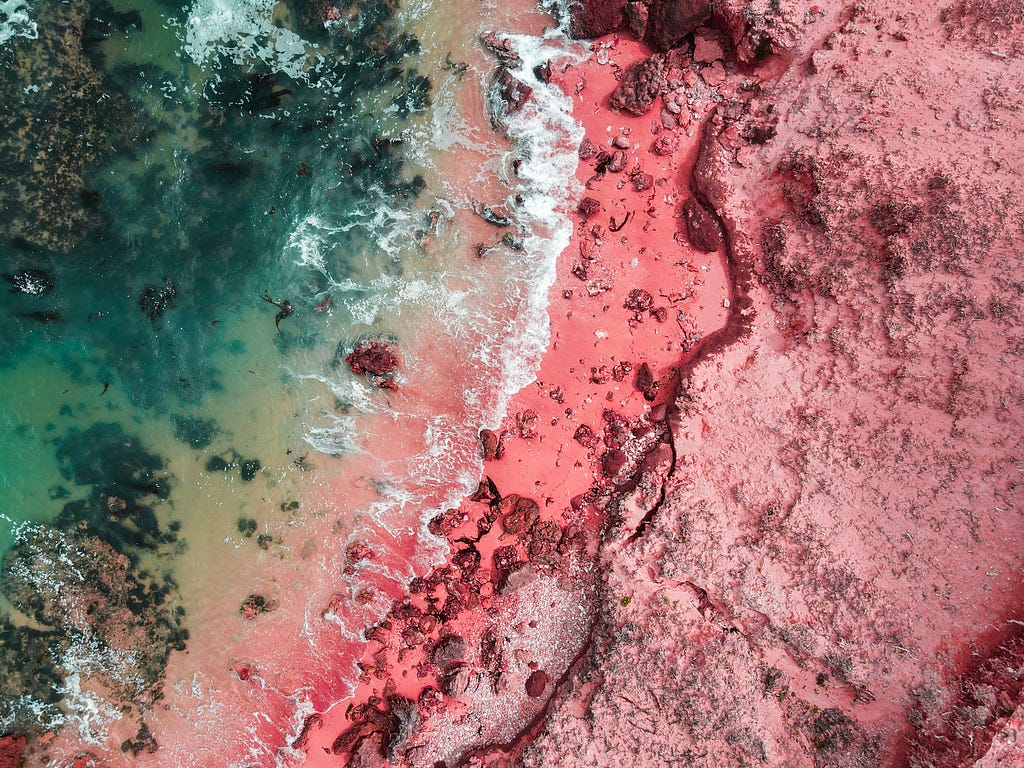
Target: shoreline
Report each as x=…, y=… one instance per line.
x=571, y=442
x=760, y=504
x=726, y=609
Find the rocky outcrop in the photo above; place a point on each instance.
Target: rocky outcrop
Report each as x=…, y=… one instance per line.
x=594, y=18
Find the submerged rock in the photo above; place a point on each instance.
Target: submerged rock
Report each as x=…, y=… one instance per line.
x=31, y=282
x=86, y=593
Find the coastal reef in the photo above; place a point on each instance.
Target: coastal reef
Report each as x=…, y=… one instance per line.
x=88, y=607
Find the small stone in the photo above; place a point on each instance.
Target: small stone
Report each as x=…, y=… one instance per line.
x=536, y=683
x=641, y=181
x=588, y=207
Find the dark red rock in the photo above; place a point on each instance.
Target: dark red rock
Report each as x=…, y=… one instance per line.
x=536, y=683
x=357, y=551
x=588, y=207
x=446, y=522
x=594, y=18
x=376, y=360
x=701, y=227
x=612, y=461
x=587, y=149
x=617, y=164
x=501, y=47
x=646, y=382
x=638, y=300
x=641, y=181
x=616, y=429
x=490, y=445
x=526, y=423
x=544, y=540
x=467, y=560
x=666, y=144
x=543, y=72
x=448, y=650
x=455, y=681
x=505, y=559
x=486, y=491
x=511, y=91
x=669, y=21
x=453, y=606
x=641, y=84
x=585, y=436
x=518, y=514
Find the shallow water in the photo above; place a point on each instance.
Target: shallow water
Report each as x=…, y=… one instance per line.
x=224, y=158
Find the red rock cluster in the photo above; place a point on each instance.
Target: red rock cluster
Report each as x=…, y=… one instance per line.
x=377, y=360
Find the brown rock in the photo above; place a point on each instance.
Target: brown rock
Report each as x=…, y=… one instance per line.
x=638, y=300
x=490, y=445
x=526, y=423
x=520, y=516
x=666, y=144
x=646, y=382
x=456, y=681
x=637, y=16
x=641, y=181
x=588, y=207
x=511, y=91
x=669, y=21
x=587, y=149
x=641, y=84
x=612, y=461
x=448, y=650
x=375, y=359
x=501, y=47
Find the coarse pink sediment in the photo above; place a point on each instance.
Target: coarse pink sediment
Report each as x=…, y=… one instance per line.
x=800, y=546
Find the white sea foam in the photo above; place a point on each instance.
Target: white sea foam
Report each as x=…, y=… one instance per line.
x=15, y=21
x=243, y=31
